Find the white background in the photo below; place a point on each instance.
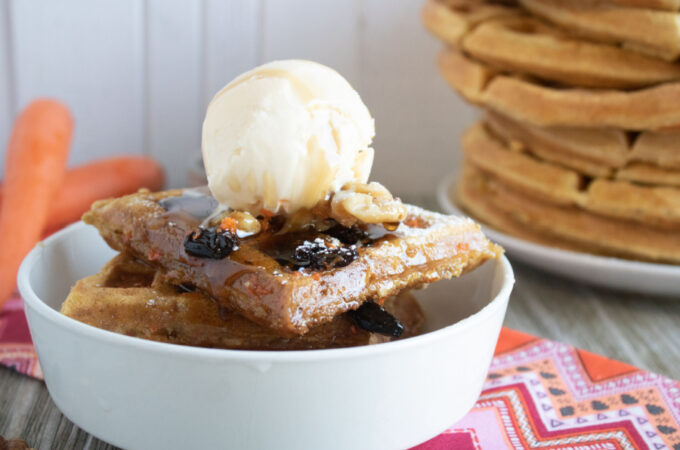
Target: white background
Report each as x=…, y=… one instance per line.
x=138, y=74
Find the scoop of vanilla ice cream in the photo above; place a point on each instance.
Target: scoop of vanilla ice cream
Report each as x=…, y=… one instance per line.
x=283, y=136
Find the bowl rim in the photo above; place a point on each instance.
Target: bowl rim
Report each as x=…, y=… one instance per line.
x=37, y=305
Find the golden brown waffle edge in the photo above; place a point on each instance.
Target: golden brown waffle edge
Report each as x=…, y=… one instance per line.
x=509, y=39
x=656, y=206
x=510, y=211
x=128, y=297
x=651, y=108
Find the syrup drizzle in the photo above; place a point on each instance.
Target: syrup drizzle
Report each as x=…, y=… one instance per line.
x=193, y=203
x=197, y=208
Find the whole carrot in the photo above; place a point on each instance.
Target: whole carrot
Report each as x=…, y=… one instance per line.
x=34, y=170
x=104, y=178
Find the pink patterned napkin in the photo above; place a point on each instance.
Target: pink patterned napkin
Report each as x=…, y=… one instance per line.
x=544, y=394
x=16, y=346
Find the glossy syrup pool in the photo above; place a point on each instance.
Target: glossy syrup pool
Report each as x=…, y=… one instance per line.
x=194, y=204
x=310, y=249
x=336, y=246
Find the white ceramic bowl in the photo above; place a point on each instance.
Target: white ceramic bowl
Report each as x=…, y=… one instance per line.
x=140, y=394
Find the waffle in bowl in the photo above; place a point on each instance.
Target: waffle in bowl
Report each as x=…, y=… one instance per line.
x=509, y=210
x=655, y=206
x=510, y=40
x=543, y=105
x=273, y=278
x=130, y=297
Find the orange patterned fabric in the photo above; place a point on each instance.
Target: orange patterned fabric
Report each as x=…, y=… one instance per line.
x=600, y=368
x=510, y=339
x=544, y=394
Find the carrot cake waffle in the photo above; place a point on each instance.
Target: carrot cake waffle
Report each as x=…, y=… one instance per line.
x=509, y=210
x=540, y=104
x=651, y=31
x=509, y=39
x=290, y=281
x=649, y=157
x=657, y=206
x=130, y=297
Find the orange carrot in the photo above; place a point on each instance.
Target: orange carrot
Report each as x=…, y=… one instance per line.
x=34, y=169
x=228, y=223
x=104, y=178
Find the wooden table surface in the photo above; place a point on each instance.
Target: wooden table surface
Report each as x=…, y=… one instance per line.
x=640, y=330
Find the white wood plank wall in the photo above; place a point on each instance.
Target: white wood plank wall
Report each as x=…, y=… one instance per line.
x=138, y=74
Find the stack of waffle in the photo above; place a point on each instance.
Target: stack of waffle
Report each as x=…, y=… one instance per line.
x=579, y=145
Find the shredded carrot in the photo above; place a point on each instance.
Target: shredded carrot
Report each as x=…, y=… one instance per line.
x=317, y=276
x=228, y=224
x=154, y=254
x=154, y=327
x=267, y=213
x=463, y=247
x=381, y=301
x=413, y=222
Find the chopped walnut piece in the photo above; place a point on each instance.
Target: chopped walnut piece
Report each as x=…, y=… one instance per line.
x=366, y=203
x=236, y=222
x=246, y=222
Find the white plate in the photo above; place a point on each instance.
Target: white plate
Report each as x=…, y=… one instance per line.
x=140, y=394
x=614, y=273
